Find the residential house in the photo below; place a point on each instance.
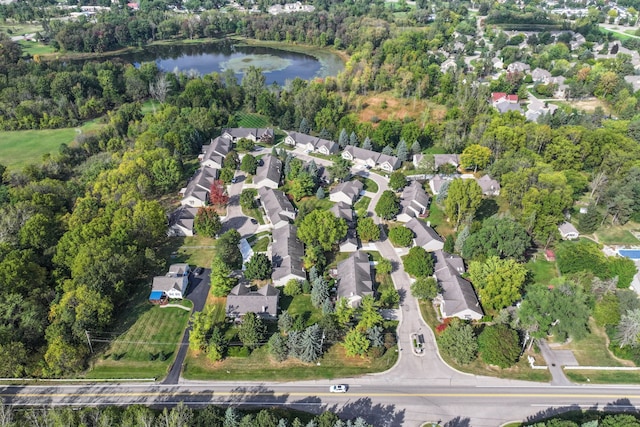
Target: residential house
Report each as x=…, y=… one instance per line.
x=518, y=67
x=346, y=192
x=578, y=40
x=504, y=102
x=311, y=143
x=540, y=75
x=263, y=302
x=446, y=159
x=562, y=87
x=269, y=172
x=277, y=207
x=287, y=252
x=568, y=231
x=350, y=242
x=449, y=63
x=497, y=63
x=256, y=135
x=537, y=109
x=371, y=158
x=213, y=154
x=172, y=285
x=354, y=278
x=490, y=187
x=457, y=298
x=436, y=183
x=181, y=221
x=413, y=202
x=345, y=211
x=196, y=193
x=425, y=236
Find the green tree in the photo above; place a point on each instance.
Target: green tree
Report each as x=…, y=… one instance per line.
x=245, y=144
x=322, y=228
x=207, y=222
x=258, y=267
x=368, y=230
x=249, y=164
x=397, y=181
x=278, y=347
x=498, y=281
x=253, y=83
x=319, y=292
x=607, y=310
x=388, y=205
x=311, y=344
x=502, y=237
x=167, y=173
x=369, y=314
x=590, y=221
x=384, y=266
x=425, y=288
x=228, y=250
x=499, y=345
x=320, y=193
x=623, y=268
x=401, y=236
x=418, y=262
x=463, y=198
x=301, y=186
x=252, y=330
x=285, y=322
x=248, y=198
x=292, y=288
x=582, y=255
x=221, y=282
x=459, y=342
x=339, y=170
x=227, y=174
x=217, y=345
x=344, y=312
x=475, y=156
x=356, y=343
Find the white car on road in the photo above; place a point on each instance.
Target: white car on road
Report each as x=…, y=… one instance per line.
x=338, y=388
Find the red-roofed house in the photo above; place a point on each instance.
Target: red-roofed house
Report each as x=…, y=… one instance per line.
x=501, y=96
x=549, y=255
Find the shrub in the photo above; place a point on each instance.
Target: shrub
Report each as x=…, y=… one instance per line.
x=292, y=288
x=401, y=236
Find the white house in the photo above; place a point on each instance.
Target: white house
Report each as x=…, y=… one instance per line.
x=277, y=207
x=254, y=134
x=213, y=154
x=371, y=158
x=489, y=186
x=457, y=298
x=286, y=255
x=354, y=278
x=174, y=284
x=413, y=202
x=181, y=221
x=568, y=231
x=425, y=236
x=346, y=192
x=436, y=183
x=196, y=193
x=269, y=172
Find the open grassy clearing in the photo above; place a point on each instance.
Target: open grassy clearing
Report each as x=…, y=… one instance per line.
x=438, y=220
x=619, y=235
x=19, y=29
x=520, y=371
x=35, y=48
x=603, y=377
x=259, y=366
x=386, y=106
x=307, y=204
x=542, y=271
x=300, y=305
x=246, y=120
x=261, y=244
x=23, y=147
x=588, y=105
x=193, y=250
x=593, y=350
x=147, y=348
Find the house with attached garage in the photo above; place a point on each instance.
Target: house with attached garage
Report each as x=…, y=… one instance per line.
x=568, y=231
x=414, y=202
x=346, y=192
x=436, y=183
x=172, y=285
x=287, y=252
x=265, y=135
x=457, y=298
x=277, y=207
x=425, y=236
x=355, y=280
x=371, y=159
x=269, y=173
x=446, y=159
x=263, y=302
x=181, y=221
x=345, y=211
x=196, y=193
x=311, y=143
x=213, y=154
x=489, y=186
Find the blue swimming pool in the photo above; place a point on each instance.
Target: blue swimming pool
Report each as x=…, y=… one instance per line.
x=630, y=253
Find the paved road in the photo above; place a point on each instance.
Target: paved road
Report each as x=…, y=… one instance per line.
x=401, y=403
x=235, y=218
x=198, y=291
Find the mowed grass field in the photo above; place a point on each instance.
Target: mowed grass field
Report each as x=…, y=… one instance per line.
x=251, y=120
x=23, y=147
x=147, y=348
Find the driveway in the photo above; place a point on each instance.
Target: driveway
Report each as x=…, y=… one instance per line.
x=197, y=294
x=302, y=154
x=235, y=218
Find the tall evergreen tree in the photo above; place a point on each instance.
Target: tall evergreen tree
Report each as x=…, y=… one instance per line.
x=304, y=126
x=416, y=148
x=311, y=344
x=367, y=145
x=402, y=152
x=353, y=139
x=388, y=150
x=343, y=139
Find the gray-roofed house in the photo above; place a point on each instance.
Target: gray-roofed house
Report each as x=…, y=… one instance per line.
x=196, y=194
x=174, y=284
x=568, y=231
x=350, y=242
x=540, y=75
x=345, y=211
x=347, y=192
x=287, y=252
x=504, y=106
x=263, y=302
x=413, y=202
x=518, y=67
x=354, y=278
x=277, y=207
x=436, y=183
x=489, y=186
x=253, y=134
x=213, y=154
x=457, y=298
x=537, y=108
x=446, y=159
x=371, y=158
x=311, y=143
x=425, y=236
x=181, y=221
x=269, y=172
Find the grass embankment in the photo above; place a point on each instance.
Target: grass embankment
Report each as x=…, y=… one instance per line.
x=23, y=147
x=147, y=348
x=362, y=206
x=369, y=184
x=520, y=371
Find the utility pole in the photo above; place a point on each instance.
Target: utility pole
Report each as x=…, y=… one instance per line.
x=89, y=341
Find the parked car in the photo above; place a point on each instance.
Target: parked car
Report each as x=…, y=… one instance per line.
x=198, y=271
x=338, y=388
x=234, y=180
x=254, y=221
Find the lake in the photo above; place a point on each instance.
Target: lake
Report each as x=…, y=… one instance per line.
x=278, y=65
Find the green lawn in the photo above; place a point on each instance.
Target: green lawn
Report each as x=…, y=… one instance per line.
x=260, y=367
x=542, y=270
x=603, y=377
x=300, y=305
x=193, y=250
x=261, y=244
x=369, y=184
x=146, y=349
x=616, y=236
x=362, y=206
x=438, y=220
x=251, y=120
x=19, y=148
x=308, y=204
x=35, y=48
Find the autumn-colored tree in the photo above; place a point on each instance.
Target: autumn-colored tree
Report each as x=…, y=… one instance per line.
x=218, y=195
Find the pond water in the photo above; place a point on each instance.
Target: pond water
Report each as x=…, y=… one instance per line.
x=278, y=65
